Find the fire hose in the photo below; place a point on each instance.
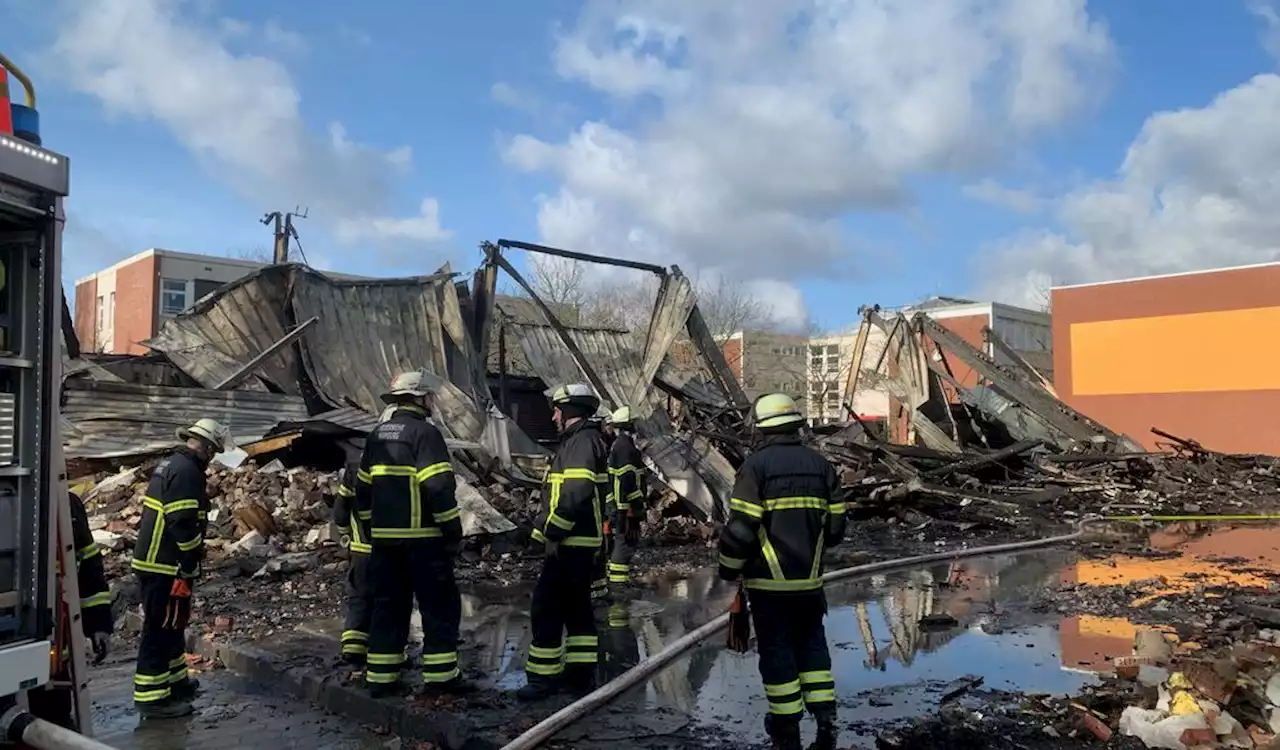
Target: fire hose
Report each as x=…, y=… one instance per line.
x=18, y=725
x=545, y=729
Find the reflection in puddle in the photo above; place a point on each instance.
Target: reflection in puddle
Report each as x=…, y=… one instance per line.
x=887, y=665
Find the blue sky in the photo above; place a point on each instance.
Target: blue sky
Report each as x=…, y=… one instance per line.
x=867, y=152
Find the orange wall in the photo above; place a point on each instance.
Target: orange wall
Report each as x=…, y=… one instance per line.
x=1187, y=354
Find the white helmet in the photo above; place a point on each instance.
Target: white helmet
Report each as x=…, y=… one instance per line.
x=621, y=415
x=211, y=431
x=412, y=383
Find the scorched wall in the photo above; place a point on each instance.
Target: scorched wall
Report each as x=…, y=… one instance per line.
x=1192, y=354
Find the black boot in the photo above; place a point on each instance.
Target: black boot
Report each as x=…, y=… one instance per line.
x=355, y=660
x=456, y=686
x=185, y=690
x=538, y=689
x=387, y=689
x=785, y=733
x=579, y=680
x=165, y=709
x=828, y=733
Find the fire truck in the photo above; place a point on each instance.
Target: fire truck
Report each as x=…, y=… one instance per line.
x=41, y=645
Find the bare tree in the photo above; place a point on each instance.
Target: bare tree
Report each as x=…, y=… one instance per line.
x=560, y=282
x=728, y=306
x=256, y=254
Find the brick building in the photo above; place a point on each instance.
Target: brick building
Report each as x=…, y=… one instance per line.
x=125, y=304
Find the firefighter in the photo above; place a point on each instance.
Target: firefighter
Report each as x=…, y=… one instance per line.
x=355, y=630
x=405, y=492
x=626, y=475
x=167, y=560
x=565, y=644
x=786, y=509
x=55, y=704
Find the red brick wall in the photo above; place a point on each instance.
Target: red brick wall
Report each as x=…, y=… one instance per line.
x=86, y=312
x=969, y=328
x=137, y=307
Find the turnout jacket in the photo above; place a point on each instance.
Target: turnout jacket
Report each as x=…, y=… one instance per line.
x=174, y=515
x=626, y=475
x=95, y=594
x=576, y=487
x=786, y=509
x=405, y=487
x=346, y=516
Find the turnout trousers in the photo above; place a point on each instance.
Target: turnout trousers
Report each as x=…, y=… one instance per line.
x=565, y=644
x=355, y=629
x=398, y=572
x=795, y=664
x=161, y=673
x=620, y=558
x=599, y=576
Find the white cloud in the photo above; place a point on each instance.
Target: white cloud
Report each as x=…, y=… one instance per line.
x=754, y=128
x=1196, y=190
x=282, y=39
x=425, y=227
x=992, y=192
x=237, y=113
x=1265, y=10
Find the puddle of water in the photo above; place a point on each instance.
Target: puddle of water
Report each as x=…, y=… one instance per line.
x=1210, y=554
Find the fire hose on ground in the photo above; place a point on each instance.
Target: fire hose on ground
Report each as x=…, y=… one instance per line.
x=18, y=725
x=544, y=730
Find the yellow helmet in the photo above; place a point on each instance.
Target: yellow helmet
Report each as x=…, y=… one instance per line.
x=621, y=415
x=775, y=410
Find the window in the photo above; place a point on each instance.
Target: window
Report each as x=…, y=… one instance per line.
x=98, y=321
x=111, y=311
x=203, y=287
x=173, y=296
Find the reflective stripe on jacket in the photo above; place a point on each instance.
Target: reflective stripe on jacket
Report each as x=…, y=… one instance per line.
x=405, y=487
x=345, y=516
x=786, y=509
x=95, y=594
x=174, y=513
x=626, y=474
x=576, y=486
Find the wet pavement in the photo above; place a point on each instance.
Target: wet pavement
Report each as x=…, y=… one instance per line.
x=230, y=713
x=898, y=643
x=889, y=668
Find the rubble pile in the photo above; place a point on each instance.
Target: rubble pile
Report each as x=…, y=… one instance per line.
x=257, y=513
x=1029, y=484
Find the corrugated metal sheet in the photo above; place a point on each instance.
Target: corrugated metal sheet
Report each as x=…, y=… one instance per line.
x=122, y=419
x=609, y=352
x=676, y=299
x=367, y=331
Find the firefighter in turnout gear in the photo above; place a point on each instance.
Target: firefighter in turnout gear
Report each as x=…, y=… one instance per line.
x=167, y=560
x=626, y=495
x=405, y=493
x=355, y=630
x=786, y=509
x=564, y=652
x=600, y=570
x=54, y=704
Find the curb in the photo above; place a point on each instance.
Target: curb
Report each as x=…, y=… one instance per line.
x=447, y=730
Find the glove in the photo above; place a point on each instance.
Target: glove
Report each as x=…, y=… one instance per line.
x=181, y=589
x=101, y=645
x=551, y=548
